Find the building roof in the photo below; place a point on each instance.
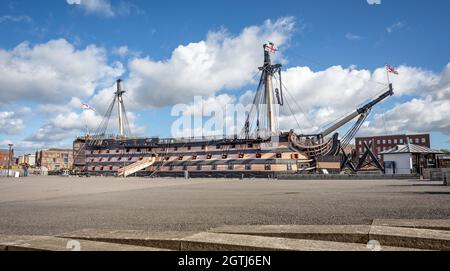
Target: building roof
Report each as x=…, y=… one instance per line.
x=410, y=148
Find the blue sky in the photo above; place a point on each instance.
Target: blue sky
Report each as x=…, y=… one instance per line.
x=354, y=35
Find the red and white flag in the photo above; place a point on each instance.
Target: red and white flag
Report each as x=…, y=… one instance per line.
x=391, y=69
x=87, y=107
x=271, y=48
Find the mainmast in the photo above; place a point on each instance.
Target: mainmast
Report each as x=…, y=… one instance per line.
x=119, y=94
x=268, y=71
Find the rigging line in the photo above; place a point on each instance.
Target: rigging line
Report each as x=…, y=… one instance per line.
x=326, y=67
x=104, y=124
x=289, y=106
x=293, y=115
x=299, y=107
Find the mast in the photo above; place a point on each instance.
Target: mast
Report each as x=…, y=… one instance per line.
x=268, y=89
x=119, y=94
x=268, y=71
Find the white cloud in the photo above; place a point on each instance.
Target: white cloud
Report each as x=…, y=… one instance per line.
x=54, y=72
x=374, y=2
x=15, y=19
x=12, y=122
x=395, y=27
x=219, y=62
x=121, y=51
x=101, y=7
x=352, y=37
x=429, y=111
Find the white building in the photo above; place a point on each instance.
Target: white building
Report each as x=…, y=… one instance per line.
x=409, y=159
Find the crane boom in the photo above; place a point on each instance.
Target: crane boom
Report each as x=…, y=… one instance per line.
x=358, y=112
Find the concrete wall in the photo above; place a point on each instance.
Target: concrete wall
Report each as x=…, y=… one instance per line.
x=403, y=162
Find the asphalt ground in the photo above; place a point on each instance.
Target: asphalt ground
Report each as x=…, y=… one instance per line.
x=54, y=205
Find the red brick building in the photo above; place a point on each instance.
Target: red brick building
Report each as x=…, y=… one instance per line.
x=5, y=156
x=384, y=143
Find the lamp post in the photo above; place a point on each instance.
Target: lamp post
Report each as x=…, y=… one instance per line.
x=9, y=160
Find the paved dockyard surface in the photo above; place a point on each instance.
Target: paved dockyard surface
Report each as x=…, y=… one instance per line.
x=55, y=205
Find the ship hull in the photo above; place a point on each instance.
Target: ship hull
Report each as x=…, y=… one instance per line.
x=234, y=158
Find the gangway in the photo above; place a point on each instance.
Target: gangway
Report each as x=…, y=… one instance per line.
x=135, y=167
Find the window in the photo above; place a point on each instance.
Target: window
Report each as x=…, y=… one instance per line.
x=384, y=141
x=120, y=158
x=250, y=145
x=110, y=168
x=149, y=149
x=248, y=167
x=175, y=149
x=199, y=167
x=194, y=157
x=230, y=167
x=395, y=141
x=117, y=151
x=360, y=149
x=411, y=140
x=184, y=167
x=66, y=158
x=214, y=167
x=225, y=156
x=189, y=148
x=209, y=156
x=233, y=146
x=130, y=158
x=241, y=155
x=378, y=142
x=424, y=140
x=279, y=155
x=258, y=156
x=138, y=150
x=218, y=147
x=109, y=159
x=171, y=168
x=360, y=142
x=101, y=159
x=180, y=157
x=289, y=166
x=389, y=141
x=401, y=140
x=267, y=167
x=128, y=150
x=167, y=158
x=203, y=147
x=417, y=140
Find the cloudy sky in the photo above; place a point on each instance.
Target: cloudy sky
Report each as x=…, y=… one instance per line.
x=56, y=55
